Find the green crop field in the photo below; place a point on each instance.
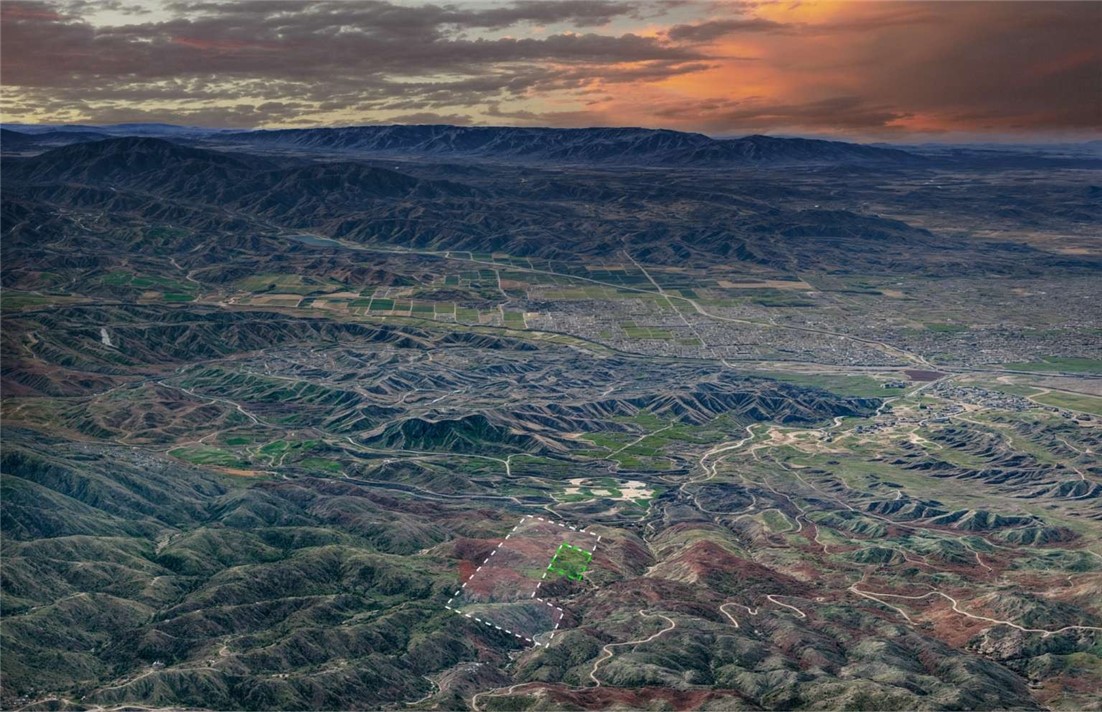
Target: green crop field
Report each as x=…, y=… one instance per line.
x=203, y=455
x=842, y=384
x=1072, y=401
x=1069, y=365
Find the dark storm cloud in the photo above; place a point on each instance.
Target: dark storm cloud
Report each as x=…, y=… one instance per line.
x=317, y=44
x=429, y=117
x=76, y=7
x=714, y=29
x=382, y=14
x=847, y=112
x=343, y=54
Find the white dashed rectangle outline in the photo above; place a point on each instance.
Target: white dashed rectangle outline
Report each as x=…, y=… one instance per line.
x=448, y=605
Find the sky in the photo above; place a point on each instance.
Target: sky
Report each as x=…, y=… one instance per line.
x=862, y=70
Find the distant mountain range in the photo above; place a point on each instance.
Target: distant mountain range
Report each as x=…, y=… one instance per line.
x=129, y=129
x=221, y=191
x=17, y=141
x=523, y=206
x=659, y=148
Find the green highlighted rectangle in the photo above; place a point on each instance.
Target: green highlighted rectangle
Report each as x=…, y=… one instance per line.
x=570, y=561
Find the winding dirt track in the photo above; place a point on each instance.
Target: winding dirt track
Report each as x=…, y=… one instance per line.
x=606, y=652
x=507, y=690
x=956, y=608
x=773, y=599
x=734, y=621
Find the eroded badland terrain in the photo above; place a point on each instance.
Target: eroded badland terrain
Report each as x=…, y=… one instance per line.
x=270, y=399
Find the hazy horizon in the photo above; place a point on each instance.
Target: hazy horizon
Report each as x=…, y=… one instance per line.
x=957, y=140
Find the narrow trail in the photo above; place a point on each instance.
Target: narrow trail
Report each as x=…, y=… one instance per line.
x=606, y=652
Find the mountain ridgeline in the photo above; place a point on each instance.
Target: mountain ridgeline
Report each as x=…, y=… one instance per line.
x=619, y=146
x=605, y=146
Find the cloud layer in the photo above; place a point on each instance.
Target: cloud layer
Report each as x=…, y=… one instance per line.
x=868, y=69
